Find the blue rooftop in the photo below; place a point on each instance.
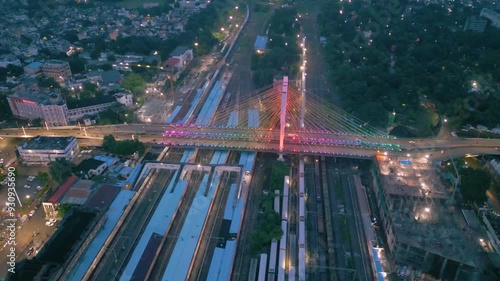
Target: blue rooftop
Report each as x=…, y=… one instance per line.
x=260, y=43
x=114, y=213
x=35, y=64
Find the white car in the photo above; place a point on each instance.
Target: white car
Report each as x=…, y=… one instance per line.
x=31, y=213
x=26, y=186
x=51, y=222
x=38, y=187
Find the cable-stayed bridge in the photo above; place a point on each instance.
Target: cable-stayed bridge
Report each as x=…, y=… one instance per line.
x=278, y=118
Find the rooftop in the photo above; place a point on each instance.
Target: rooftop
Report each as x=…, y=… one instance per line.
x=108, y=77
x=260, y=43
x=79, y=192
x=420, y=214
x=180, y=50
x=103, y=196
x=87, y=165
x=54, y=62
x=62, y=189
x=40, y=97
x=35, y=64
x=414, y=177
x=47, y=143
x=73, y=104
x=113, y=215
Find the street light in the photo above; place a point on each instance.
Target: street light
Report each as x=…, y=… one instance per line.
x=222, y=29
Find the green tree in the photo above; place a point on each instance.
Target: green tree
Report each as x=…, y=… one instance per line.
x=60, y=169
x=77, y=65
x=473, y=184
x=49, y=82
x=134, y=83
x=64, y=209
x=109, y=143
x=5, y=112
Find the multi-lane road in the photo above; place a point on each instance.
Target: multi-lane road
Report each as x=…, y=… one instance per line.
x=265, y=140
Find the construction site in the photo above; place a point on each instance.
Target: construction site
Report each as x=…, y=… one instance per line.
x=424, y=232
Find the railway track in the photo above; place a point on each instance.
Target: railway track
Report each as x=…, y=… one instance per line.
x=176, y=225
x=118, y=253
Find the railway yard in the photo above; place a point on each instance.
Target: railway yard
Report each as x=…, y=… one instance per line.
x=191, y=213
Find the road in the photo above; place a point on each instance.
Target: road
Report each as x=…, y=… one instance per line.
x=259, y=139
x=317, y=82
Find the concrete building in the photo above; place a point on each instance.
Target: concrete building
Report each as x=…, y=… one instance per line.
x=34, y=69
x=105, y=79
x=50, y=206
x=31, y=105
x=89, y=168
x=79, y=113
x=42, y=150
x=492, y=223
x=6, y=60
x=493, y=16
x=422, y=230
x=183, y=53
x=475, y=24
x=57, y=69
x=124, y=98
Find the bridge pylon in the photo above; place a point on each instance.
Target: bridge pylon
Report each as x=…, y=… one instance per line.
x=284, y=97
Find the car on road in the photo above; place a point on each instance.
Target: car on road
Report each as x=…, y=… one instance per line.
x=27, y=186
x=51, y=222
x=39, y=187
x=31, y=213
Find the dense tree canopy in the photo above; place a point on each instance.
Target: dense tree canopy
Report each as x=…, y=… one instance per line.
x=282, y=52
x=125, y=147
x=60, y=169
x=418, y=62
x=474, y=183
x=134, y=83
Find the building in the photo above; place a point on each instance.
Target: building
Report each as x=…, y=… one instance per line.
x=50, y=206
x=89, y=168
x=493, y=16
x=124, y=98
x=422, y=231
x=260, y=44
x=105, y=79
x=31, y=105
x=34, y=69
x=79, y=113
x=475, y=24
x=11, y=87
x=42, y=150
x=492, y=223
x=79, y=192
x=6, y=60
x=57, y=69
x=102, y=197
x=183, y=53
